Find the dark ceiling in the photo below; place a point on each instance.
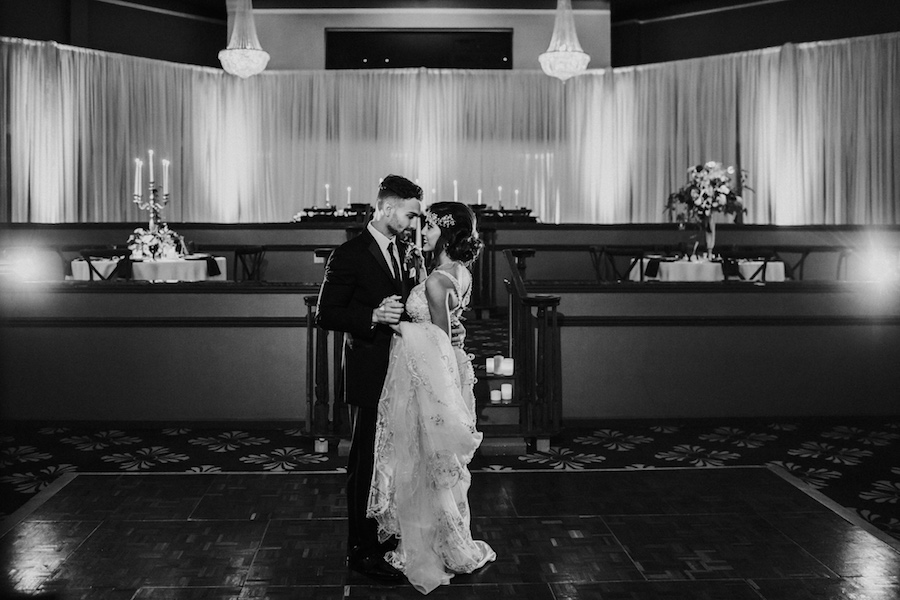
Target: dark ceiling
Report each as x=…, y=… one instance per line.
x=621, y=10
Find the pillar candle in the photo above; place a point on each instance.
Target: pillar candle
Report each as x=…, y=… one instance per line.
x=150, y=152
x=498, y=363
x=496, y=396
x=507, y=367
x=506, y=391
x=489, y=366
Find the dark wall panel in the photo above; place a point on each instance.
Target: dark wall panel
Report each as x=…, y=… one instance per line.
x=647, y=39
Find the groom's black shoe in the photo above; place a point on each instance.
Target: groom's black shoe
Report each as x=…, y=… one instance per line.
x=375, y=567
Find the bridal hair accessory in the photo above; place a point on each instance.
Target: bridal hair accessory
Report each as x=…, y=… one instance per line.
x=443, y=222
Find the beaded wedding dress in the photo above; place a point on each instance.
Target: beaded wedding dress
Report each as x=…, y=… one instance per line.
x=424, y=441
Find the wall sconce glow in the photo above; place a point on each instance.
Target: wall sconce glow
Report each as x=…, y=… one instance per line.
x=564, y=58
x=244, y=56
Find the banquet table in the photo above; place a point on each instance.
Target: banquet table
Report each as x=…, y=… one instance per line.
x=190, y=268
x=705, y=270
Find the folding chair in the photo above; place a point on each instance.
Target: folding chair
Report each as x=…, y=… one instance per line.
x=615, y=263
x=731, y=269
x=248, y=263
x=122, y=269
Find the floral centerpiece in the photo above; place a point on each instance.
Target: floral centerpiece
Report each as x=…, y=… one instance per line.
x=709, y=189
x=147, y=244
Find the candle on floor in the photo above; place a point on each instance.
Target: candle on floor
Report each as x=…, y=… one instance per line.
x=506, y=391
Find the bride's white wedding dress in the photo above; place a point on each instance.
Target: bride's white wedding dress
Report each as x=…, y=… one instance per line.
x=424, y=441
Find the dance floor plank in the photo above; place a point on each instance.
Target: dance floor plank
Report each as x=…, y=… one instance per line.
x=739, y=532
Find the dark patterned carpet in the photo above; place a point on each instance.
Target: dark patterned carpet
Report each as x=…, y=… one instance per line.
x=854, y=461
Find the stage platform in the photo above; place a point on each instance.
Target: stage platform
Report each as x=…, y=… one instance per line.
x=736, y=533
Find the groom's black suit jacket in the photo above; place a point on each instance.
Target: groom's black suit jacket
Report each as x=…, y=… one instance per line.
x=357, y=278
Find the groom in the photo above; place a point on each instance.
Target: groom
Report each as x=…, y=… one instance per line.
x=363, y=294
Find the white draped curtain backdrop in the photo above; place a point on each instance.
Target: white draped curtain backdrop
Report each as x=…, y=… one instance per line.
x=817, y=127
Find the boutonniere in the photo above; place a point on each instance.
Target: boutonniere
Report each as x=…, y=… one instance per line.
x=412, y=258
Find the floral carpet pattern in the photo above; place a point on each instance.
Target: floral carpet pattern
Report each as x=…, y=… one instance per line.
x=854, y=461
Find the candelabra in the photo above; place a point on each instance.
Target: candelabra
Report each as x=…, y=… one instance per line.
x=153, y=206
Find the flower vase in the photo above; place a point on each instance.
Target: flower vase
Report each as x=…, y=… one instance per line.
x=709, y=230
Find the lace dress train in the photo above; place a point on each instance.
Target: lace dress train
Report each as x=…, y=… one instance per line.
x=425, y=438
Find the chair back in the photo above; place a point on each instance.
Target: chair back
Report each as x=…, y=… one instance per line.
x=248, y=263
x=122, y=269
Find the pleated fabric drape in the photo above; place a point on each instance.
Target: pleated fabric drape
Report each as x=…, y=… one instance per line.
x=817, y=127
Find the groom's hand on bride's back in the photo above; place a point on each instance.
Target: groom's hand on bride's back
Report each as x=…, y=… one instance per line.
x=457, y=334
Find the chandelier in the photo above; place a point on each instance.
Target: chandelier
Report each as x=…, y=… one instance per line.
x=564, y=58
x=244, y=56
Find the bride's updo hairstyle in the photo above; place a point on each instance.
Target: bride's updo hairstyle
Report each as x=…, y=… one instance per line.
x=458, y=234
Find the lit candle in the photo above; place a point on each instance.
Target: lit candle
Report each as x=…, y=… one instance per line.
x=479, y=196
x=433, y=195
x=500, y=196
x=150, y=152
x=455, y=191
x=348, y=195
x=137, y=177
x=489, y=366
x=165, y=165
x=327, y=195
x=506, y=391
x=517, y=198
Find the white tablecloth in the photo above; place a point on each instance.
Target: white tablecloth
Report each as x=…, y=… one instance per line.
x=166, y=269
x=706, y=270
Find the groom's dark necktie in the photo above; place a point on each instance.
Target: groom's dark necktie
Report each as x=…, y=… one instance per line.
x=394, y=267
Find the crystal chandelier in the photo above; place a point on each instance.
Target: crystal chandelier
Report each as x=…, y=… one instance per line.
x=564, y=58
x=244, y=56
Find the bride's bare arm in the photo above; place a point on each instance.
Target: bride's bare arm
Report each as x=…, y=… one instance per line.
x=437, y=291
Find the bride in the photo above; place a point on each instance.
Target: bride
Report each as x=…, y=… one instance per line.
x=426, y=432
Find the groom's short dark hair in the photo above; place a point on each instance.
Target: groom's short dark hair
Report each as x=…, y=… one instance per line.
x=394, y=186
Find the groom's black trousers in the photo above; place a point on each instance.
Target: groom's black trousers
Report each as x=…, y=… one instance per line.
x=362, y=537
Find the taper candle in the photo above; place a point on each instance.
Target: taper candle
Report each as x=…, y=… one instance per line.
x=455, y=191
x=137, y=177
x=348, y=195
x=500, y=196
x=150, y=152
x=327, y=195
x=517, y=198
x=165, y=165
x=479, y=196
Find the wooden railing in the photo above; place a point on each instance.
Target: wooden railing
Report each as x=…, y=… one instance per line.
x=534, y=343
x=327, y=414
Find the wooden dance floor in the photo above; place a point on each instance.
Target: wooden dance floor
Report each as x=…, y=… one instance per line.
x=712, y=533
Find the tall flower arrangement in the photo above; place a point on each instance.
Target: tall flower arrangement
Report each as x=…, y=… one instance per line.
x=709, y=188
